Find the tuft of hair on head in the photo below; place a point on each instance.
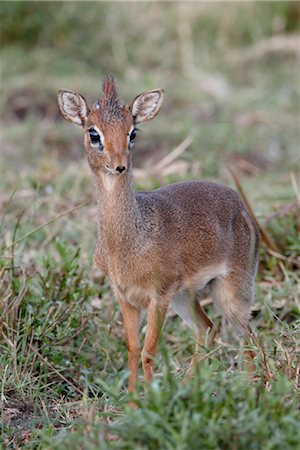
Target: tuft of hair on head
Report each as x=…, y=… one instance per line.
x=109, y=88
x=110, y=104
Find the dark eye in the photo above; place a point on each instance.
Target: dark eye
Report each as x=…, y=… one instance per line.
x=132, y=136
x=94, y=135
x=95, y=138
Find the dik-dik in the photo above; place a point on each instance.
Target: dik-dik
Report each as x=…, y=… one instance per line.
x=163, y=246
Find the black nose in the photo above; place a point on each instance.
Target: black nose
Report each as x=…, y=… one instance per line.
x=120, y=169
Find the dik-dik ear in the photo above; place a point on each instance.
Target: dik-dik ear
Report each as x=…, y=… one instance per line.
x=73, y=107
x=146, y=105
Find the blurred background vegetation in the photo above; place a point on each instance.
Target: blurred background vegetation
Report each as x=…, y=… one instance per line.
x=230, y=71
x=227, y=83
x=231, y=76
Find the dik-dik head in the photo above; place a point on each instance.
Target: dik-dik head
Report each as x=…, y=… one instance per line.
x=109, y=126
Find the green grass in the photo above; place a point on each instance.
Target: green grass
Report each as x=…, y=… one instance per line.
x=63, y=357
x=64, y=371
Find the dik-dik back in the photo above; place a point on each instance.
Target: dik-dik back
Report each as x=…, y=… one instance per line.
x=164, y=246
x=207, y=222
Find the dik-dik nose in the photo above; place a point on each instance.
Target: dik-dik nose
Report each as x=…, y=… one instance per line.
x=120, y=169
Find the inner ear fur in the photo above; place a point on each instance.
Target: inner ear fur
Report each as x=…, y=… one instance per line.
x=147, y=105
x=73, y=107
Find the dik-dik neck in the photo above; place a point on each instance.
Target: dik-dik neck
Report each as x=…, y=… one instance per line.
x=120, y=225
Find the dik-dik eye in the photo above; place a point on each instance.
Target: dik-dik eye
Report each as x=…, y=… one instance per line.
x=95, y=139
x=132, y=136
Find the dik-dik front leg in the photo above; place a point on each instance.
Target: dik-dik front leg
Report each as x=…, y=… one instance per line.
x=131, y=322
x=155, y=320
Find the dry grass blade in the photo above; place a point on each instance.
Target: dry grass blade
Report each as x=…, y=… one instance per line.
x=175, y=153
x=40, y=227
x=270, y=245
x=267, y=373
x=296, y=187
x=2, y=276
x=11, y=308
x=297, y=379
x=168, y=165
x=55, y=370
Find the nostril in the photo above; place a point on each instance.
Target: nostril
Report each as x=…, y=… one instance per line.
x=120, y=169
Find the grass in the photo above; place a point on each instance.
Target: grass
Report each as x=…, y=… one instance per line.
x=62, y=352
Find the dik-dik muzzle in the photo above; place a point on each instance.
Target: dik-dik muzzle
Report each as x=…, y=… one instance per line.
x=108, y=150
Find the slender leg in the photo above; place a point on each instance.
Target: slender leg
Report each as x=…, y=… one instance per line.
x=205, y=325
x=155, y=319
x=131, y=319
x=234, y=296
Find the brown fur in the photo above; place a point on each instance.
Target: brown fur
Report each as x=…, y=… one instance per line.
x=162, y=246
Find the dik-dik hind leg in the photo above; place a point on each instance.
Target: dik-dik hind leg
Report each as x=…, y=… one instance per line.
x=234, y=296
x=131, y=322
x=187, y=306
x=204, y=338
x=155, y=319
x=208, y=330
